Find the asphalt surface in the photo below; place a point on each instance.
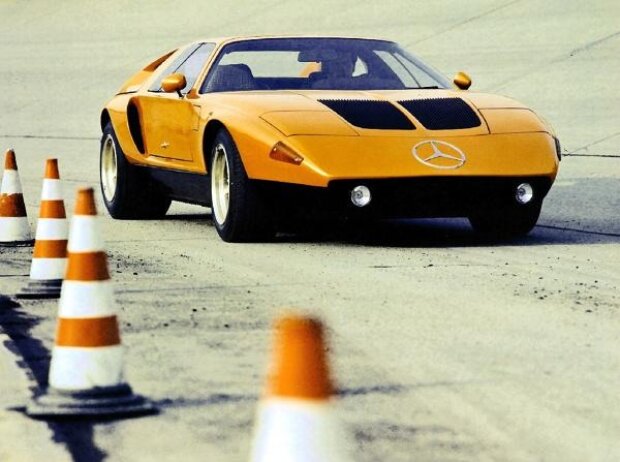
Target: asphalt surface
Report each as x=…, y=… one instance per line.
x=444, y=347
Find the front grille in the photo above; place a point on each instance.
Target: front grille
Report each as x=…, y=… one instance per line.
x=379, y=115
x=442, y=113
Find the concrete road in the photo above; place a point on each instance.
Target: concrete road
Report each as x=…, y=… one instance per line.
x=444, y=347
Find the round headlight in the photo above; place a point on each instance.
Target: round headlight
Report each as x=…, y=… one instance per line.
x=360, y=196
x=524, y=193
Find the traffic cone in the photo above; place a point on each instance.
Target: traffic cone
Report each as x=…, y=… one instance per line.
x=86, y=371
x=49, y=259
x=294, y=421
x=14, y=226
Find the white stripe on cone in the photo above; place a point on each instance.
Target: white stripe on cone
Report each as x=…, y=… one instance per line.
x=52, y=190
x=52, y=229
x=76, y=368
x=86, y=299
x=48, y=268
x=292, y=430
x=11, y=183
x=84, y=234
x=14, y=229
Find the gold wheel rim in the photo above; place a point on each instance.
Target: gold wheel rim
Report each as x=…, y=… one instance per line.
x=109, y=169
x=220, y=184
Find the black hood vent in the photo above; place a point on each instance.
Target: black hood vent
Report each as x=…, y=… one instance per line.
x=442, y=113
x=378, y=115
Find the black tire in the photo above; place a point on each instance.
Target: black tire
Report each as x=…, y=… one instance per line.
x=506, y=223
x=241, y=215
x=135, y=195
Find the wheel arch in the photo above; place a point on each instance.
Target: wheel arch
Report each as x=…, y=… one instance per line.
x=208, y=137
x=104, y=119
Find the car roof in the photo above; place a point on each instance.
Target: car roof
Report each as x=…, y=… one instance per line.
x=238, y=38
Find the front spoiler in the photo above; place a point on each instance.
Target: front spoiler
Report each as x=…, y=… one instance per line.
x=422, y=197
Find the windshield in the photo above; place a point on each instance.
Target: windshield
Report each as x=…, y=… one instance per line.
x=318, y=64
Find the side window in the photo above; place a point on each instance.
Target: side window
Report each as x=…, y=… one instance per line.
x=193, y=65
x=189, y=63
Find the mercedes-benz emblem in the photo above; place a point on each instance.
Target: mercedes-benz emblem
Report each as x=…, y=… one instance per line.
x=438, y=154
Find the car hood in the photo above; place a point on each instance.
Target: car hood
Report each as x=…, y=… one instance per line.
x=400, y=113
x=325, y=128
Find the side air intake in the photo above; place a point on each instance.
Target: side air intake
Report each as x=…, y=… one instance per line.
x=442, y=113
x=378, y=115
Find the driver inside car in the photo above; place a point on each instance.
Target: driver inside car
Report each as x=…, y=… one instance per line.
x=337, y=71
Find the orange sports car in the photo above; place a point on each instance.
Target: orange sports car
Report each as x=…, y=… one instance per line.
x=262, y=129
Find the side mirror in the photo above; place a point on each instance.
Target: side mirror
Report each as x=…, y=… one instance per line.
x=174, y=83
x=462, y=80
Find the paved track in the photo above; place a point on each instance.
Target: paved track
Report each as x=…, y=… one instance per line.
x=445, y=347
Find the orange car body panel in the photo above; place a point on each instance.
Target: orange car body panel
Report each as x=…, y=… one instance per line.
x=511, y=140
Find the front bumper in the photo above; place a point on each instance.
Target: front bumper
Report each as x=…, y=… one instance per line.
x=329, y=158
x=404, y=197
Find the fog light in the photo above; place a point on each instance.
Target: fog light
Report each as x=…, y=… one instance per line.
x=524, y=193
x=360, y=196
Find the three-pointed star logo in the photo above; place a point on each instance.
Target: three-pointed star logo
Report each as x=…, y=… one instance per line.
x=442, y=155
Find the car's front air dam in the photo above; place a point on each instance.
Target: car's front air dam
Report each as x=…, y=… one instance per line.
x=404, y=197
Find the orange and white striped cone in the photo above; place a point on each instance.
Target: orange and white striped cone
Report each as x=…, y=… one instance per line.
x=14, y=226
x=295, y=421
x=49, y=258
x=86, y=371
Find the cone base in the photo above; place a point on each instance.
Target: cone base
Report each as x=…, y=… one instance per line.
x=41, y=289
x=98, y=402
x=27, y=243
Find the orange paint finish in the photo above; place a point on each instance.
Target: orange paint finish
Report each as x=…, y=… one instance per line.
x=510, y=141
x=51, y=169
x=167, y=126
x=300, y=367
x=85, y=202
x=87, y=266
x=50, y=248
x=491, y=155
x=52, y=209
x=296, y=123
x=9, y=160
x=12, y=205
x=513, y=121
x=88, y=332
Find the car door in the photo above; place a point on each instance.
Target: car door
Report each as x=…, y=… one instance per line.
x=170, y=120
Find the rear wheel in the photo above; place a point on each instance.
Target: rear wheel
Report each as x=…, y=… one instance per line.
x=508, y=222
x=239, y=212
x=128, y=192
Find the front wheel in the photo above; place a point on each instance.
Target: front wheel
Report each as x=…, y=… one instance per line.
x=128, y=191
x=506, y=223
x=239, y=212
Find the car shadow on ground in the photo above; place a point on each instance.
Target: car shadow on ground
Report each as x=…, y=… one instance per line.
x=431, y=233
x=427, y=233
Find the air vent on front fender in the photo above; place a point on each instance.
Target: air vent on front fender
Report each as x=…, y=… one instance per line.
x=135, y=129
x=378, y=115
x=442, y=113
